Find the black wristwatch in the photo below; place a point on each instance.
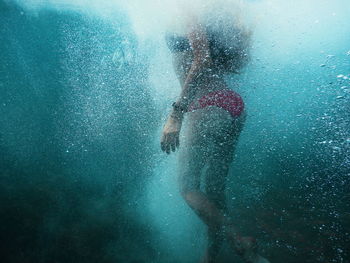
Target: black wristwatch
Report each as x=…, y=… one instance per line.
x=177, y=107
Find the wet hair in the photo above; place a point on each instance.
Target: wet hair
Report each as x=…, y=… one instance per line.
x=229, y=44
x=229, y=59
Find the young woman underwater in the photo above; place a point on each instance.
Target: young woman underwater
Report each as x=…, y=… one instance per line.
x=207, y=48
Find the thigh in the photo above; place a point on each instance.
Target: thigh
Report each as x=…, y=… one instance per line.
x=218, y=164
x=223, y=140
x=208, y=139
x=192, y=156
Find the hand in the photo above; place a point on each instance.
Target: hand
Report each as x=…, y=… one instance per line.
x=170, y=137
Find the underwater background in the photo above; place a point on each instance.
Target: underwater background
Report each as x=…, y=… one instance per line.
x=85, y=87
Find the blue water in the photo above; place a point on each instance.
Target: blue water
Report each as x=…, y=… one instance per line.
x=85, y=89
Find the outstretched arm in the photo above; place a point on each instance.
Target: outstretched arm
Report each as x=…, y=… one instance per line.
x=201, y=60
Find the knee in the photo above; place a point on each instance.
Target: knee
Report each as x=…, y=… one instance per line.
x=186, y=194
x=192, y=197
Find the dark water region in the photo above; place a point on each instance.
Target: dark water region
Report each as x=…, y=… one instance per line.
x=74, y=136
x=78, y=155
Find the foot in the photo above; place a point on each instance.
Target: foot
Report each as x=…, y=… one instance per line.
x=246, y=247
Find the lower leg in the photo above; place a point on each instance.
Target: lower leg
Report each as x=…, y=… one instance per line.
x=215, y=191
x=206, y=209
x=209, y=212
x=215, y=241
x=214, y=218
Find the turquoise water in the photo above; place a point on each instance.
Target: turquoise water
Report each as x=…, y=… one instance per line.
x=85, y=89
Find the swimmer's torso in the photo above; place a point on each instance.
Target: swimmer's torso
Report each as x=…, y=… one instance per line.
x=208, y=80
x=228, y=44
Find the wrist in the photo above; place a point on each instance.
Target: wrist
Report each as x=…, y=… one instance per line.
x=178, y=111
x=177, y=115
x=179, y=107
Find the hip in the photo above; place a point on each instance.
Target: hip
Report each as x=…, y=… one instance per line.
x=226, y=99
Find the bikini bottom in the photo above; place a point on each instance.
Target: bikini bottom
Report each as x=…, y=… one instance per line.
x=225, y=99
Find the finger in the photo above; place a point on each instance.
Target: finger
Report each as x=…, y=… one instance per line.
x=173, y=144
x=167, y=149
x=166, y=144
x=162, y=143
x=177, y=141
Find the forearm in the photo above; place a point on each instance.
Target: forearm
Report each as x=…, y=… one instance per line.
x=189, y=89
x=201, y=60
